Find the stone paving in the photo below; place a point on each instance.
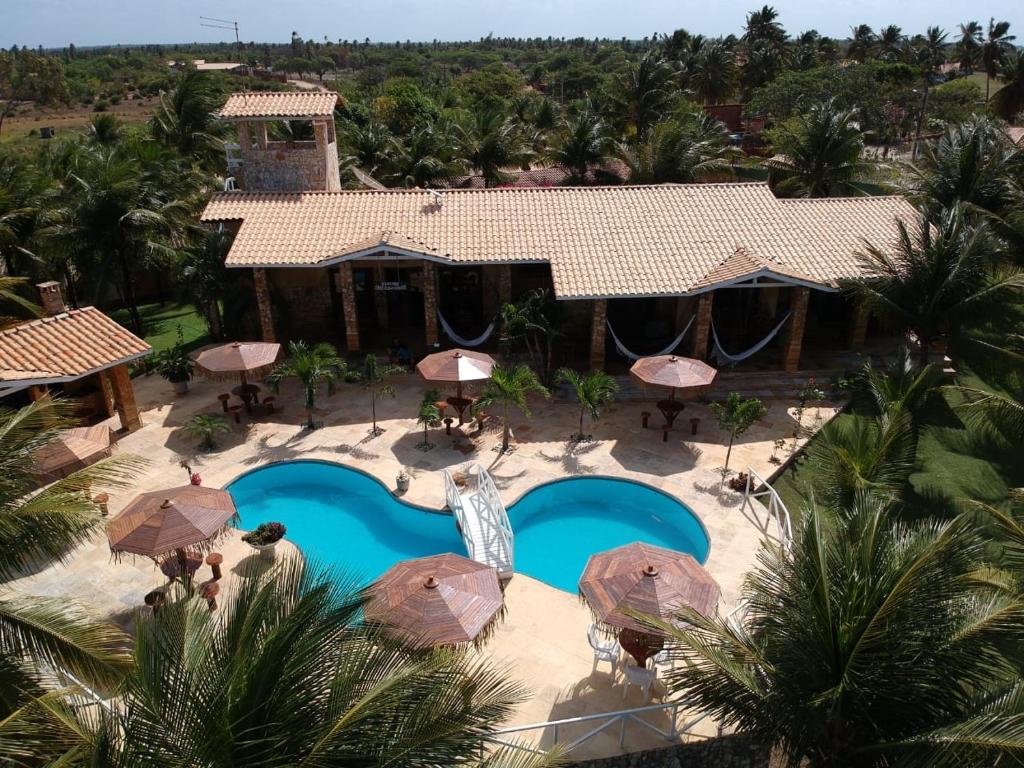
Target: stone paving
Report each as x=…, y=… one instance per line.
x=542, y=641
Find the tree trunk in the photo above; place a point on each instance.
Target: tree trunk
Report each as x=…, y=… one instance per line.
x=128, y=278
x=582, y=412
x=72, y=293
x=728, y=454
x=506, y=432
x=216, y=324
x=309, y=418
x=373, y=409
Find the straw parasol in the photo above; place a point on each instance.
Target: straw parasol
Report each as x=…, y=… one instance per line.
x=240, y=358
x=439, y=600
x=71, y=450
x=675, y=373
x=456, y=365
x=649, y=580
x=160, y=523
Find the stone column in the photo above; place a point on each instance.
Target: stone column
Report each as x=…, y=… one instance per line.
x=244, y=137
x=430, y=302
x=348, y=305
x=702, y=325
x=104, y=395
x=795, y=335
x=37, y=392
x=505, y=283
x=767, y=303
x=859, y=325
x=598, y=325
x=124, y=398
x=259, y=279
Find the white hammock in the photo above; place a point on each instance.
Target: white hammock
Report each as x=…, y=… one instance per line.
x=729, y=359
x=451, y=334
x=626, y=353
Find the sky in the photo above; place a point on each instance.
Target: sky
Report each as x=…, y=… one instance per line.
x=55, y=23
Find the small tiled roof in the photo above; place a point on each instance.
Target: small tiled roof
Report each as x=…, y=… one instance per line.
x=600, y=241
x=740, y=265
x=1016, y=133
x=65, y=347
x=256, y=104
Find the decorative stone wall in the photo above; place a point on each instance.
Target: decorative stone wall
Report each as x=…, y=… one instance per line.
x=597, y=334
x=348, y=305
x=430, y=302
x=723, y=752
x=284, y=167
x=307, y=294
x=124, y=398
x=702, y=325
x=266, y=313
x=798, y=302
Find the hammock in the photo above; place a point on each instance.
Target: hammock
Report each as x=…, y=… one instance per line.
x=459, y=341
x=724, y=358
x=626, y=353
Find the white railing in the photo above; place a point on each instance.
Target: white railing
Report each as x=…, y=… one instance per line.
x=453, y=499
x=602, y=721
x=488, y=492
x=232, y=155
x=737, y=618
x=777, y=511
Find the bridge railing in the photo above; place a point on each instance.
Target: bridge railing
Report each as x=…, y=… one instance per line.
x=492, y=501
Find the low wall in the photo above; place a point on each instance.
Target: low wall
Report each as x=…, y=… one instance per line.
x=723, y=752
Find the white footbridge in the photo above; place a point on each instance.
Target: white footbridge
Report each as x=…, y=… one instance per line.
x=482, y=520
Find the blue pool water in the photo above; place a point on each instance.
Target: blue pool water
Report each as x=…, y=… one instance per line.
x=344, y=518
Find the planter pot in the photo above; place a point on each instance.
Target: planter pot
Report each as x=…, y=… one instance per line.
x=267, y=551
x=180, y=387
x=402, y=483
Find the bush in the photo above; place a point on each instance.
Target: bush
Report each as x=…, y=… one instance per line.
x=101, y=105
x=265, y=533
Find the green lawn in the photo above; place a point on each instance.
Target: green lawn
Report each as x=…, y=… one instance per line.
x=954, y=463
x=162, y=323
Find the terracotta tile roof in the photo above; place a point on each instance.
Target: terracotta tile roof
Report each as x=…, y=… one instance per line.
x=279, y=104
x=612, y=172
x=600, y=241
x=65, y=347
x=1016, y=133
x=740, y=265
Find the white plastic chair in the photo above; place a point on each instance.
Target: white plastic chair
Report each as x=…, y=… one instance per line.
x=603, y=651
x=662, y=659
x=641, y=677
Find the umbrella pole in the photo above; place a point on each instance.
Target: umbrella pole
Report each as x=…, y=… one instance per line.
x=458, y=390
x=242, y=377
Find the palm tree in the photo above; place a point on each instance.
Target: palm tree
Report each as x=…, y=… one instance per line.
x=314, y=366
x=532, y=319
x=509, y=387
x=185, y=119
x=375, y=378
x=642, y=93
x=429, y=415
x=22, y=199
x=490, y=142
x=930, y=52
x=15, y=308
x=891, y=42
x=368, y=146
x=283, y=675
x=997, y=42
x=423, y=159
x=581, y=144
x=105, y=129
x=735, y=415
x=872, y=643
x=206, y=278
x=936, y=280
x=1008, y=101
x=968, y=47
x=693, y=149
x=594, y=391
x=205, y=427
x=820, y=152
x=714, y=74
x=862, y=43
x=40, y=634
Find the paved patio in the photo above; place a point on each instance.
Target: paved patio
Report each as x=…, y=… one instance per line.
x=543, y=639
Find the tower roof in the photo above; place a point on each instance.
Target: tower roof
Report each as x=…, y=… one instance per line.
x=279, y=104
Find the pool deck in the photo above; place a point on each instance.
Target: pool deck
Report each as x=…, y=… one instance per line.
x=543, y=638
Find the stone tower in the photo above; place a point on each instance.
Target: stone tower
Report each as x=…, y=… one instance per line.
x=259, y=164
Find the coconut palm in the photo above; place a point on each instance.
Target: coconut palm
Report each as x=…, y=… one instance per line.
x=509, y=387
x=891, y=42
x=968, y=47
x=314, y=366
x=643, y=92
x=375, y=378
x=936, y=280
x=491, y=141
x=693, y=149
x=820, y=152
x=22, y=200
x=185, y=119
x=872, y=643
x=594, y=392
x=40, y=634
x=367, y=146
x=929, y=53
x=581, y=144
x=1008, y=101
x=998, y=41
x=283, y=675
x=423, y=159
x=14, y=307
x=714, y=73
x=105, y=129
x=862, y=43
x=902, y=385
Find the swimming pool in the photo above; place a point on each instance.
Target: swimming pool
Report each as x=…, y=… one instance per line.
x=342, y=517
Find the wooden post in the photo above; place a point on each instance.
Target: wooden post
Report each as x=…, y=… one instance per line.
x=37, y=392
x=702, y=325
x=430, y=302
x=797, y=322
x=348, y=305
x=104, y=394
x=266, y=312
x=597, y=334
x=124, y=398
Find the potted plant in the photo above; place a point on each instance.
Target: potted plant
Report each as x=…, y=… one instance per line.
x=264, y=539
x=402, y=481
x=176, y=366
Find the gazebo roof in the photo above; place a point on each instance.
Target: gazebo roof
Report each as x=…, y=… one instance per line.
x=65, y=347
x=279, y=104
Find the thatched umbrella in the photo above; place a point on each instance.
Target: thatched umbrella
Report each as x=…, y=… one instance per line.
x=71, y=450
x=456, y=365
x=675, y=373
x=239, y=359
x=648, y=580
x=439, y=600
x=173, y=521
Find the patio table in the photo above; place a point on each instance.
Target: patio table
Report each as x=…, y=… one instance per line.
x=460, y=404
x=247, y=393
x=670, y=409
x=640, y=645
